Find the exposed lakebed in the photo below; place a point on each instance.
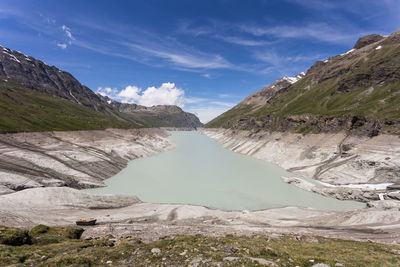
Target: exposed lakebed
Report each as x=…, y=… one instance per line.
x=199, y=171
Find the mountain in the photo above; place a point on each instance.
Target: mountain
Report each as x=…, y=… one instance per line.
x=37, y=97
x=155, y=116
x=357, y=91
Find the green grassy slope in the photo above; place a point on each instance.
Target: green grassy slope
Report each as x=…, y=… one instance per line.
x=23, y=109
x=58, y=246
x=365, y=82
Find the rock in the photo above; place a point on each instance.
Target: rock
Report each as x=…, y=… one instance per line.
x=367, y=40
x=108, y=262
x=320, y=265
x=308, y=239
x=257, y=260
x=393, y=187
x=263, y=261
x=156, y=251
x=394, y=195
x=384, y=204
x=183, y=253
x=86, y=222
x=395, y=251
x=339, y=264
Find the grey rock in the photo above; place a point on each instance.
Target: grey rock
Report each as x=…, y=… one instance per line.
x=367, y=40
x=393, y=187
x=394, y=195
x=156, y=251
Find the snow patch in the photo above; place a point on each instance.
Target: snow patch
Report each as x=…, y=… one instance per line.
x=109, y=102
x=348, y=52
x=74, y=97
x=379, y=47
x=12, y=57
x=294, y=79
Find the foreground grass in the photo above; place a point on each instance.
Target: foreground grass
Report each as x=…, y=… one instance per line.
x=57, y=246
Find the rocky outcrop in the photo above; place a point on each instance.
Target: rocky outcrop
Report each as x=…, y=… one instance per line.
x=349, y=167
x=79, y=159
x=367, y=40
x=37, y=75
x=310, y=123
x=261, y=97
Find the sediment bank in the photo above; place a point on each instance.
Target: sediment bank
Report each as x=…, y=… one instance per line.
x=349, y=167
x=76, y=159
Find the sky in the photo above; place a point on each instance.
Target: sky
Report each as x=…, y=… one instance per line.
x=202, y=55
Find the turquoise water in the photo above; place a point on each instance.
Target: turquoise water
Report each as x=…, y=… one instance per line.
x=200, y=171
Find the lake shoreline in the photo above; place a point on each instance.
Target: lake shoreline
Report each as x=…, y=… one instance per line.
x=231, y=181
x=320, y=157
x=128, y=216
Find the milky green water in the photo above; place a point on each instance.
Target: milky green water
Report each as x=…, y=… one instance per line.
x=200, y=171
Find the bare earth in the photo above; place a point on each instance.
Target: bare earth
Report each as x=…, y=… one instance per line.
x=80, y=159
x=349, y=167
x=75, y=159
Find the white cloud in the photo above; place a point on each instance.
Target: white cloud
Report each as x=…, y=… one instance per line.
x=242, y=41
x=193, y=100
x=225, y=95
x=62, y=46
x=318, y=31
x=130, y=94
x=166, y=94
x=107, y=91
x=67, y=32
x=223, y=104
x=69, y=37
x=186, y=60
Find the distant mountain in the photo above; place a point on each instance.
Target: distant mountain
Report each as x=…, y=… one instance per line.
x=156, y=116
x=37, y=97
x=358, y=91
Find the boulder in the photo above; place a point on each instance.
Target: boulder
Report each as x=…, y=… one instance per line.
x=86, y=221
x=367, y=40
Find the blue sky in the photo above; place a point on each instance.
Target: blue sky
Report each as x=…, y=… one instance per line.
x=204, y=56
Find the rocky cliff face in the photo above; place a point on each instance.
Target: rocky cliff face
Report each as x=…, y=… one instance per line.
x=39, y=76
x=357, y=91
x=21, y=74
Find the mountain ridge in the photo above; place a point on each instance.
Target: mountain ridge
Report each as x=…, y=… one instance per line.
x=357, y=91
x=25, y=82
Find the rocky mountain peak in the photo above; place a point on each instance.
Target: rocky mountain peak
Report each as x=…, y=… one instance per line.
x=31, y=74
x=37, y=75
x=262, y=96
x=367, y=40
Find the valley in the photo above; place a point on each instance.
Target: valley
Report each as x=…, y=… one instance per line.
x=306, y=160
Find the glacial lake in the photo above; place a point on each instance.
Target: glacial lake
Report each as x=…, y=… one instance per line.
x=199, y=171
